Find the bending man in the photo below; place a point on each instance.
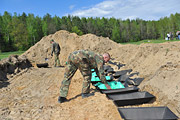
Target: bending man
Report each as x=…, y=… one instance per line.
x=83, y=60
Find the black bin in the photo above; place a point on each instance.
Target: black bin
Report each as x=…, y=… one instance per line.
x=147, y=113
x=45, y=65
x=134, y=98
x=121, y=90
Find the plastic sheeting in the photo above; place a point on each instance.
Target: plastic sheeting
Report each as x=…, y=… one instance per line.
x=95, y=79
x=112, y=84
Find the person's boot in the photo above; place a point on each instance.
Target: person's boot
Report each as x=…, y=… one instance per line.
x=85, y=95
x=62, y=99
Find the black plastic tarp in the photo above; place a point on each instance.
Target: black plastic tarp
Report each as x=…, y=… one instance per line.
x=122, y=72
x=137, y=81
x=147, y=113
x=106, y=67
x=110, y=70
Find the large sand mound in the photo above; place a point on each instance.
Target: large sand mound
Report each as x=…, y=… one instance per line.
x=69, y=42
x=33, y=93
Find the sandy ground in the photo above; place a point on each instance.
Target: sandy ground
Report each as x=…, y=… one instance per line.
x=32, y=93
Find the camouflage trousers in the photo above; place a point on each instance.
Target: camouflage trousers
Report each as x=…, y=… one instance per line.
x=72, y=65
x=56, y=60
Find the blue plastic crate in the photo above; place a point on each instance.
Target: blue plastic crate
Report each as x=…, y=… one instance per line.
x=112, y=84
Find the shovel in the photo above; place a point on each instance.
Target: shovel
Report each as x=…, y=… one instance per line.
x=46, y=58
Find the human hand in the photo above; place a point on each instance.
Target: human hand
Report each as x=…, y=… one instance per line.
x=107, y=86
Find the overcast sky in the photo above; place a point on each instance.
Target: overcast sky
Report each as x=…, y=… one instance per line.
x=123, y=9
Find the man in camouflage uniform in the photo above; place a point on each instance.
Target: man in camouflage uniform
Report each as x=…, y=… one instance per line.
x=55, y=48
x=83, y=60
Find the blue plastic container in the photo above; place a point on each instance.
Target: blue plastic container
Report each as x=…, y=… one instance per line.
x=94, y=77
x=112, y=84
x=98, y=80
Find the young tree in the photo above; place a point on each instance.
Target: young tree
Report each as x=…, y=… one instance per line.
x=6, y=28
x=163, y=27
x=48, y=25
x=1, y=35
x=57, y=22
x=126, y=33
x=19, y=34
x=90, y=27
x=23, y=18
x=116, y=35
x=134, y=31
x=66, y=23
x=31, y=29
x=76, y=21
x=76, y=30
x=38, y=27
x=84, y=25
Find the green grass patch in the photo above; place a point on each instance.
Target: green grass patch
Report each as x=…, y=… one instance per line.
x=7, y=54
x=149, y=41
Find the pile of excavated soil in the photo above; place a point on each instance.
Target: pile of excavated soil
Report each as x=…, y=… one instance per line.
x=69, y=42
x=12, y=65
x=33, y=93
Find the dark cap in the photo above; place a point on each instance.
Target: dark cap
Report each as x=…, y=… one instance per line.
x=52, y=40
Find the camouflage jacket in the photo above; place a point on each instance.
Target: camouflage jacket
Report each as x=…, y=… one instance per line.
x=55, y=48
x=94, y=60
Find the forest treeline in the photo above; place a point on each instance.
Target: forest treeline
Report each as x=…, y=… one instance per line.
x=19, y=32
